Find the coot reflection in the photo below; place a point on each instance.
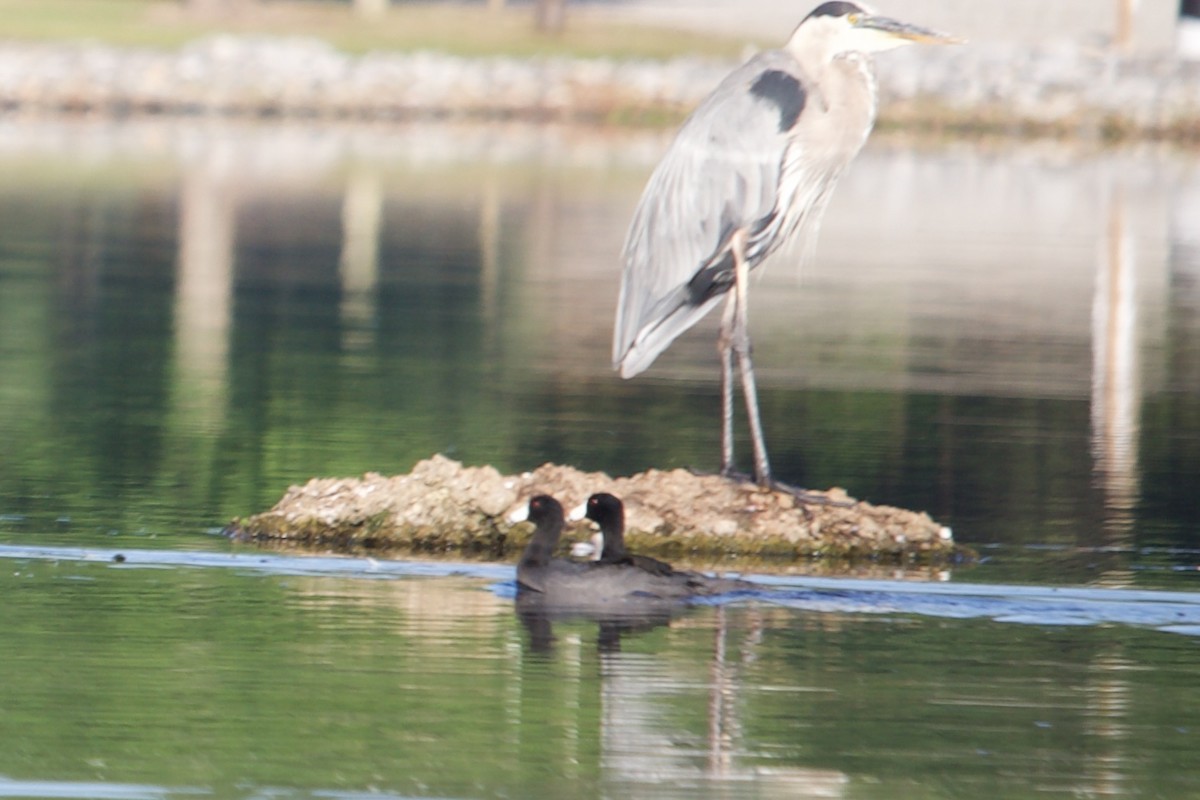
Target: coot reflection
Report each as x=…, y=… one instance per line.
x=612, y=624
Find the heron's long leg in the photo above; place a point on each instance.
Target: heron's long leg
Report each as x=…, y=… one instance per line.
x=762, y=467
x=725, y=350
x=741, y=346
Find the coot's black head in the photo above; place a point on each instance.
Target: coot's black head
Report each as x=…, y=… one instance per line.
x=605, y=509
x=544, y=508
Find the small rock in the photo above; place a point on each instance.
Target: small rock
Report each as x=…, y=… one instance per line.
x=725, y=527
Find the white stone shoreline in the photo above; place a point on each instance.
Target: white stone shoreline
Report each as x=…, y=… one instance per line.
x=1067, y=89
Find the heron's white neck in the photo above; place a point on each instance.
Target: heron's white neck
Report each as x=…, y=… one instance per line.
x=812, y=47
x=817, y=42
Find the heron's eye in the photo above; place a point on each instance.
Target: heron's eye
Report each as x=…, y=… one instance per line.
x=854, y=19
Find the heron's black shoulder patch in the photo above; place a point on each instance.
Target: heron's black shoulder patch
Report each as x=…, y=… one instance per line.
x=784, y=91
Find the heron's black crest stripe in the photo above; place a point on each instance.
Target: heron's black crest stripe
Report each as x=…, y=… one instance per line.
x=784, y=91
x=838, y=9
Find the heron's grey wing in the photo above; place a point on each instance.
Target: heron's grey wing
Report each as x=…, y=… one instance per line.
x=721, y=173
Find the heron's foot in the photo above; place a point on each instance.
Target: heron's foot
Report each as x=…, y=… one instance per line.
x=744, y=477
x=766, y=482
x=809, y=496
x=802, y=496
x=725, y=472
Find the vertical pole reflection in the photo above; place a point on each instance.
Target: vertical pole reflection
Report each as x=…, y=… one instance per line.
x=1116, y=385
x=720, y=710
x=639, y=747
x=635, y=744
x=1107, y=707
x=204, y=285
x=724, y=721
x=489, y=266
x=1127, y=278
x=358, y=266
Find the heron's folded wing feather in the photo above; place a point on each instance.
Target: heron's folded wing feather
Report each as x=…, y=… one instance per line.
x=720, y=174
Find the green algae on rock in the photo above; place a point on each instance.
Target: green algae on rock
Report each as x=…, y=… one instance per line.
x=443, y=506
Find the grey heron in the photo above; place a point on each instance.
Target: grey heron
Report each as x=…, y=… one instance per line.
x=753, y=165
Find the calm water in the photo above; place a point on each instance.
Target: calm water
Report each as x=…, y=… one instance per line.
x=195, y=316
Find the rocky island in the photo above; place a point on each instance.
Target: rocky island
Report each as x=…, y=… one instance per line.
x=445, y=507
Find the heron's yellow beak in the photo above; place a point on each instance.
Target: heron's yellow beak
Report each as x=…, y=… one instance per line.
x=902, y=30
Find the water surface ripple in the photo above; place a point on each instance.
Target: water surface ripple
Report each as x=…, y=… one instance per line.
x=1176, y=612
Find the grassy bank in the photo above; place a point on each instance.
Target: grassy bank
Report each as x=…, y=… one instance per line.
x=468, y=30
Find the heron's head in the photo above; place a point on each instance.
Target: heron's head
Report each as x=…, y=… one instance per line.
x=836, y=28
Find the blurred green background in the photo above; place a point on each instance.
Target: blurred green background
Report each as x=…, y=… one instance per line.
x=464, y=29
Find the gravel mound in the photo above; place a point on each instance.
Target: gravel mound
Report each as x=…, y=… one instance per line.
x=443, y=506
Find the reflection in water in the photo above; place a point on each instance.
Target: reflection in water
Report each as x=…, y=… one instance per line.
x=415, y=677
x=1116, y=382
x=1109, y=705
x=538, y=621
x=642, y=754
x=358, y=267
x=368, y=298
x=352, y=299
x=1115, y=419
x=204, y=288
x=490, y=267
